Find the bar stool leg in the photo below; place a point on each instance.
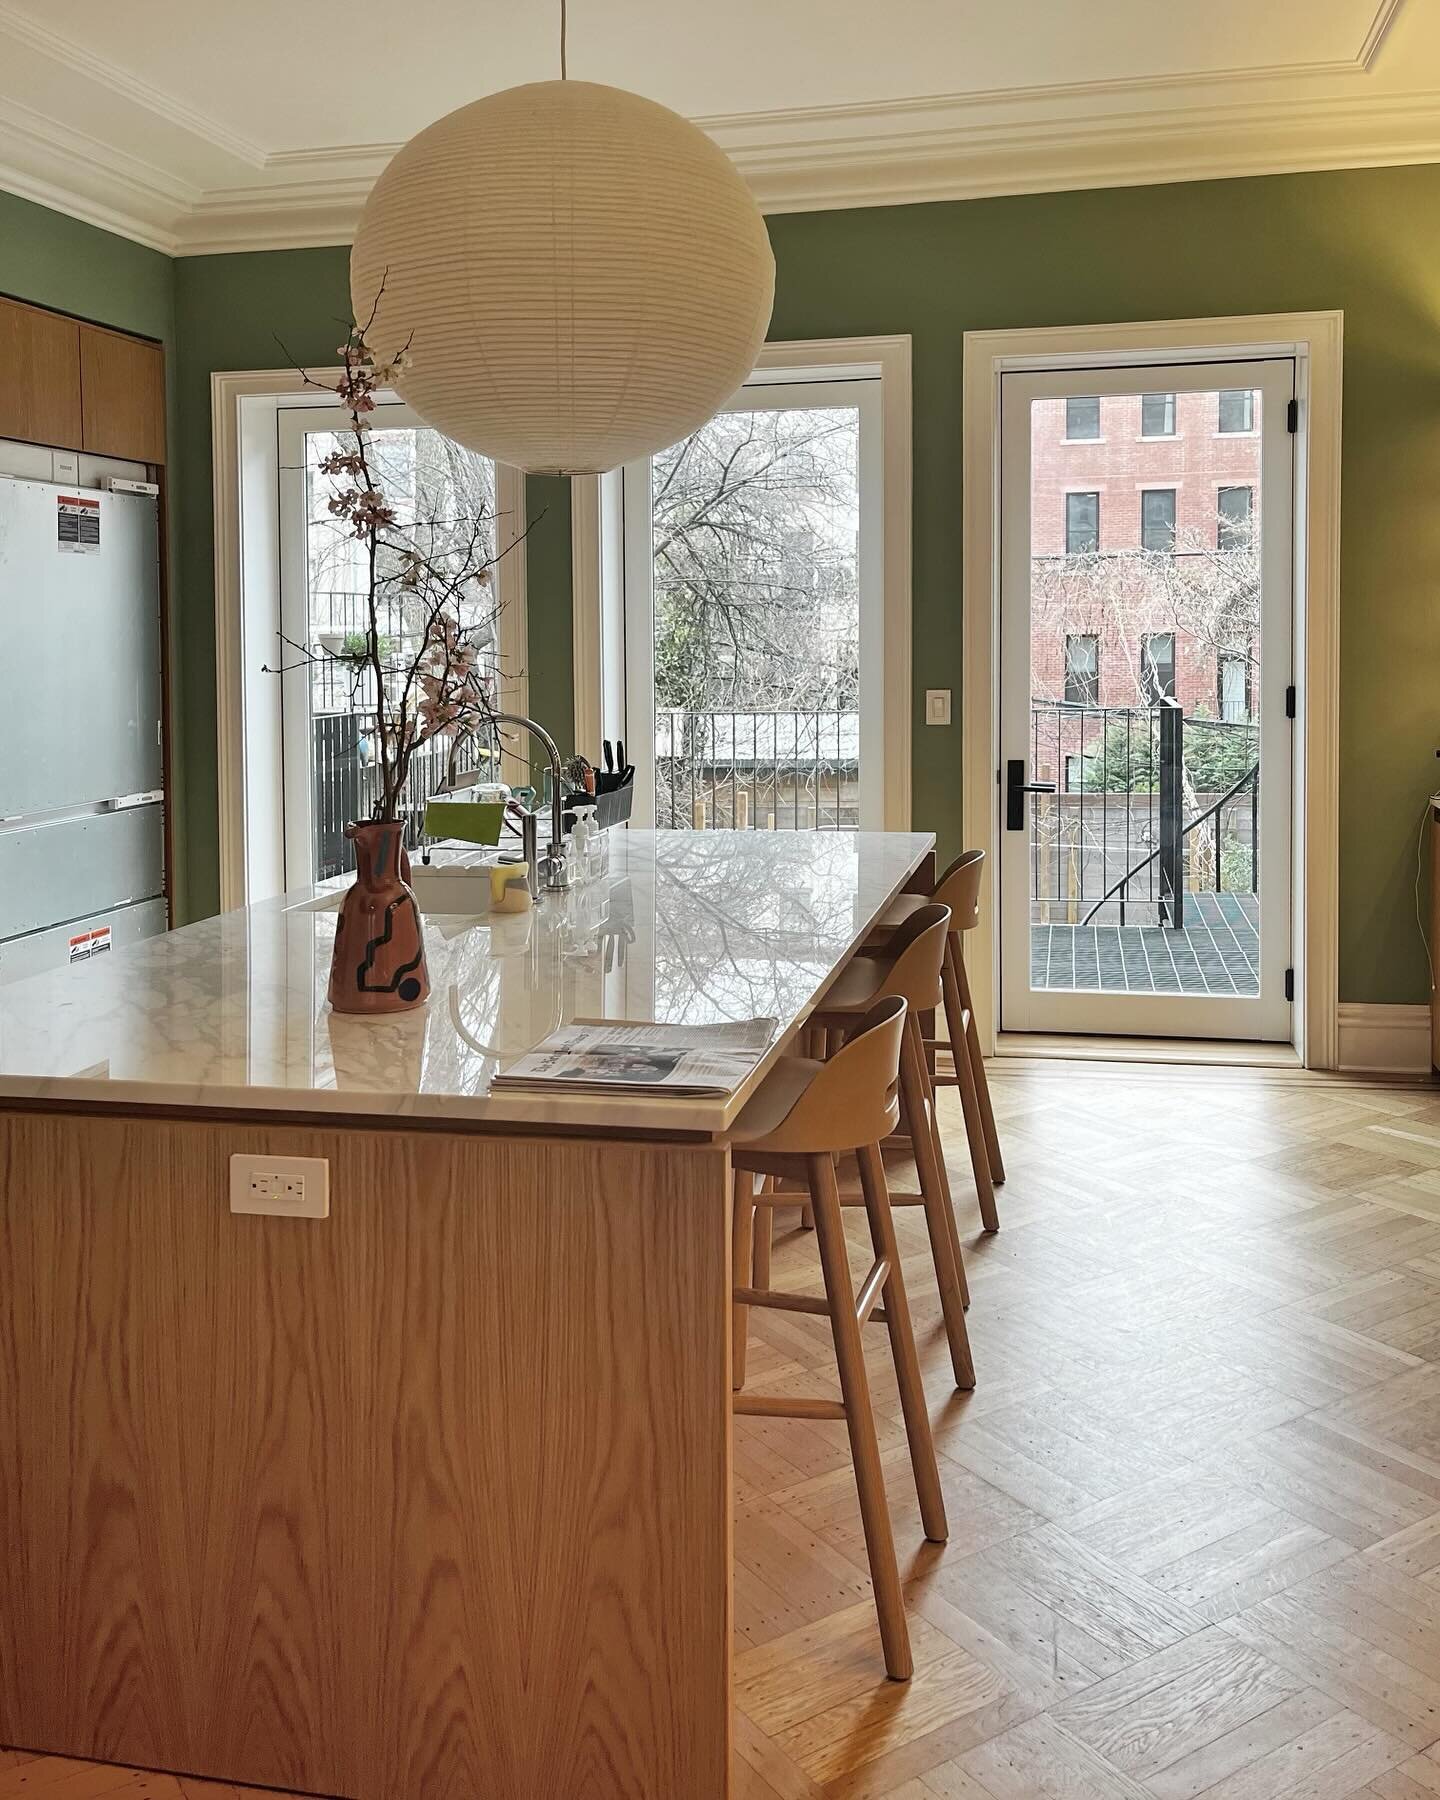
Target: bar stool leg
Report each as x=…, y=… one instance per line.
x=741, y=1256
x=902, y=1346
x=969, y=1099
x=864, y=1446
x=944, y=1239
x=977, y=1064
x=764, y=1233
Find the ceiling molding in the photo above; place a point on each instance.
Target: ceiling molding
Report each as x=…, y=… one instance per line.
x=1119, y=133
x=65, y=49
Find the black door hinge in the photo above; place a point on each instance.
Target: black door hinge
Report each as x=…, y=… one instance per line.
x=1290, y=702
x=1292, y=416
x=1290, y=985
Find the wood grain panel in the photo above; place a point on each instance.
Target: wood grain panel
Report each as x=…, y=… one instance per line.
x=39, y=376
x=122, y=384
x=428, y=1498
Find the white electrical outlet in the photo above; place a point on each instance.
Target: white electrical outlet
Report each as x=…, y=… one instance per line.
x=287, y=1187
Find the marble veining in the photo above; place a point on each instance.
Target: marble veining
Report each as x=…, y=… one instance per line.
x=687, y=926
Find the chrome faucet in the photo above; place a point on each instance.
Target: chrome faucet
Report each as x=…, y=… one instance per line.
x=553, y=864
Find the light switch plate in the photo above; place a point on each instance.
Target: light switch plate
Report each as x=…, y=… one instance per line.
x=937, y=706
x=284, y=1187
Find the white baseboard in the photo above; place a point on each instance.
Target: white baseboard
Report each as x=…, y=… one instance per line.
x=1393, y=1040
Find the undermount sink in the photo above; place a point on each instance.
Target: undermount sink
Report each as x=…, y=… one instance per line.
x=439, y=888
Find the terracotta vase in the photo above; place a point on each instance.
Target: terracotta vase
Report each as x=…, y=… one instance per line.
x=379, y=961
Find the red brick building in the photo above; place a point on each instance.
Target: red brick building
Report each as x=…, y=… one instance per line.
x=1174, y=474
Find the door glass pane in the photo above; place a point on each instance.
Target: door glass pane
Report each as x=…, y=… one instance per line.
x=440, y=493
x=757, y=622
x=1144, y=684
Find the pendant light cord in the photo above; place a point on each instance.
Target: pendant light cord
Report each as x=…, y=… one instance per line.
x=564, y=23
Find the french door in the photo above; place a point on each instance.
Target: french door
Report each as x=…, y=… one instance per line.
x=754, y=614
x=1145, y=771
x=329, y=771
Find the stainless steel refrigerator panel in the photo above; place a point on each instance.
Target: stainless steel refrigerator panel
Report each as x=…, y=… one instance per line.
x=81, y=941
x=69, y=868
x=80, y=696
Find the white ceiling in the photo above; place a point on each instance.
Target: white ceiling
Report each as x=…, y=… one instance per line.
x=218, y=126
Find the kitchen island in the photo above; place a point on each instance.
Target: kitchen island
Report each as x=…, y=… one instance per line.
x=430, y=1497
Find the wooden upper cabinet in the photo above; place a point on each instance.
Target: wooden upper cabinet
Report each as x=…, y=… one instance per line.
x=39, y=377
x=122, y=388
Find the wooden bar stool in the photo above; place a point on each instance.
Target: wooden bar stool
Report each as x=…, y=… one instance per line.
x=805, y=1115
x=912, y=967
x=959, y=889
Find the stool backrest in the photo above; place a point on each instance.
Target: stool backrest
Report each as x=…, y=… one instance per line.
x=853, y=1099
x=959, y=889
x=916, y=954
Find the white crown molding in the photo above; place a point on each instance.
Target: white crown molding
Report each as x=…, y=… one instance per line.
x=1082, y=135
x=67, y=50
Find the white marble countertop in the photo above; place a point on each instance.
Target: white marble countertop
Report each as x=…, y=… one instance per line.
x=688, y=927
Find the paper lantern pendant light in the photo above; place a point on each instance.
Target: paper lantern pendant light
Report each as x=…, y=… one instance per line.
x=581, y=275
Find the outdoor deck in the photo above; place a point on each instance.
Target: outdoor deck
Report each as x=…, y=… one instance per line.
x=1217, y=952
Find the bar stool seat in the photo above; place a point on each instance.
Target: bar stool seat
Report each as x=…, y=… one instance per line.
x=803, y=1116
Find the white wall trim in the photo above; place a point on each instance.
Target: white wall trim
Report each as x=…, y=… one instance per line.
x=1315, y=339
x=1392, y=1040
x=247, y=571
x=810, y=358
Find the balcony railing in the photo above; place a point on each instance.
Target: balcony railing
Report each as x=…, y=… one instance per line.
x=768, y=770
x=1149, y=806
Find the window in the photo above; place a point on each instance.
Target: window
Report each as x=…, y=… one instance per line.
x=1237, y=409
x=1074, y=774
x=1157, y=666
x=1157, y=519
x=1157, y=415
x=1234, y=505
x=1234, y=687
x=1082, y=524
x=1082, y=416
x=1082, y=670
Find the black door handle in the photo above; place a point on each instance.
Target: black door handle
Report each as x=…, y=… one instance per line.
x=1016, y=788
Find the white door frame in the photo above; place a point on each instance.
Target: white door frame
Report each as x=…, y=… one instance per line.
x=1266, y=1015
x=1315, y=341
x=599, y=552
x=245, y=407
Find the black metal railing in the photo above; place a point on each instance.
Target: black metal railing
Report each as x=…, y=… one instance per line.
x=346, y=784
x=1150, y=805
x=766, y=770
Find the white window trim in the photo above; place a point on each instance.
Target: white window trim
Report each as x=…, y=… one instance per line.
x=599, y=553
x=1315, y=340
x=243, y=408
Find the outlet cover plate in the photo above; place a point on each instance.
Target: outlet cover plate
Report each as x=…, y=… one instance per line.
x=283, y=1187
x=937, y=706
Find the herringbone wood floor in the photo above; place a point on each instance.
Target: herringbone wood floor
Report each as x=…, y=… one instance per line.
x=1194, y=1501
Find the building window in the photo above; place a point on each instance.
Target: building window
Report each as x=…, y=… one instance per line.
x=1082, y=416
x=1157, y=415
x=1074, y=774
x=1157, y=519
x=1082, y=524
x=1082, y=671
x=1237, y=409
x=1234, y=506
x=1157, y=666
x=1234, y=687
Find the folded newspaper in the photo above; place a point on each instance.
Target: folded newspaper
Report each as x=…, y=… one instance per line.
x=620, y=1055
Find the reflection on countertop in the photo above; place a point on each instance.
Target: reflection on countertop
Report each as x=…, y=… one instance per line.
x=230, y=1013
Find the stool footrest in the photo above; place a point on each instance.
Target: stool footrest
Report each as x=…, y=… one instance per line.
x=871, y=1289
x=762, y=1406
x=853, y=1197
x=780, y=1301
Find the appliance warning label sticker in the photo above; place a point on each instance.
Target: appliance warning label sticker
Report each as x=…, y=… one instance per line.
x=88, y=944
x=78, y=523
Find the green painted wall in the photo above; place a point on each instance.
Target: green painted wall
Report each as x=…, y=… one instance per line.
x=1363, y=241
